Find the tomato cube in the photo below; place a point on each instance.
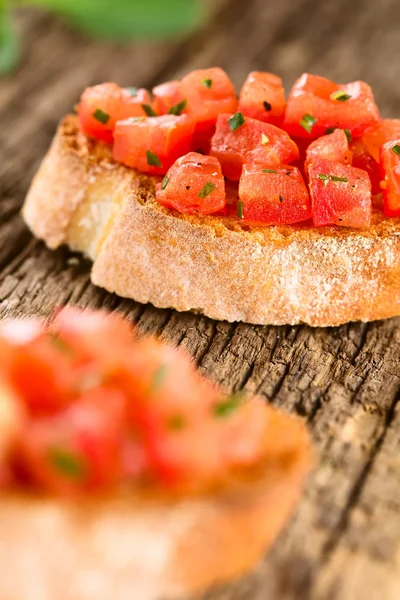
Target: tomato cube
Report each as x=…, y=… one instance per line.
x=273, y=196
x=362, y=159
x=316, y=104
x=152, y=144
x=194, y=184
x=209, y=92
x=390, y=163
x=340, y=194
x=386, y=131
x=103, y=105
x=168, y=96
x=333, y=146
x=263, y=97
x=240, y=140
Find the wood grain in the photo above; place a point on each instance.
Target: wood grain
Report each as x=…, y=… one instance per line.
x=343, y=542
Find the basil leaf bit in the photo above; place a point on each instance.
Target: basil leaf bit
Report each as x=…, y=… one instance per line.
x=132, y=91
x=101, y=116
x=240, y=210
x=149, y=110
x=340, y=96
x=207, y=189
x=341, y=179
x=396, y=149
x=207, y=83
x=159, y=377
x=229, y=405
x=152, y=159
x=178, y=109
x=268, y=171
x=69, y=464
x=267, y=106
x=236, y=121
x=165, y=182
x=308, y=122
x=325, y=178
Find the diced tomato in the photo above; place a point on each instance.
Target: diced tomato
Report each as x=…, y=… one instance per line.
x=101, y=106
x=194, y=184
x=273, y=196
x=263, y=97
x=386, y=131
x=316, y=104
x=153, y=144
x=240, y=140
x=362, y=159
x=340, y=194
x=390, y=162
x=12, y=418
x=333, y=146
x=209, y=93
x=166, y=96
x=79, y=449
x=202, y=141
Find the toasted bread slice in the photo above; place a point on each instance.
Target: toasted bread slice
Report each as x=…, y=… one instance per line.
x=211, y=265
x=149, y=546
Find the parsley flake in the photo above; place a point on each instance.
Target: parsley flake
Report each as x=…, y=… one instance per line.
x=228, y=406
x=178, y=109
x=152, y=159
x=207, y=83
x=101, y=116
x=165, y=182
x=207, y=189
x=268, y=171
x=68, y=464
x=240, y=210
x=340, y=96
x=396, y=149
x=236, y=121
x=267, y=106
x=325, y=178
x=308, y=122
x=342, y=179
x=149, y=110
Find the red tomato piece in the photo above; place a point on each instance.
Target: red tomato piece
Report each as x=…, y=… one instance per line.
x=340, y=194
x=153, y=144
x=362, y=159
x=386, y=131
x=166, y=96
x=194, y=184
x=333, y=146
x=240, y=140
x=209, y=93
x=390, y=163
x=101, y=106
x=273, y=196
x=202, y=141
x=262, y=97
x=316, y=104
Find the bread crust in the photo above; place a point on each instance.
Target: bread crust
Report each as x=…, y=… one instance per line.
x=211, y=265
x=149, y=546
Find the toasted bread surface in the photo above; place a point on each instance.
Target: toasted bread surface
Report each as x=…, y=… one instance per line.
x=147, y=545
x=212, y=265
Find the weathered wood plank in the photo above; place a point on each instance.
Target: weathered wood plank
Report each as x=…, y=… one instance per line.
x=343, y=542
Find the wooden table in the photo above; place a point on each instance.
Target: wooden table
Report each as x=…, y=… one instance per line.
x=343, y=543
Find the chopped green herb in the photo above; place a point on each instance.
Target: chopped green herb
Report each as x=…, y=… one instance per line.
x=132, y=91
x=280, y=198
x=165, y=182
x=330, y=130
x=268, y=171
x=236, y=121
x=347, y=132
x=159, y=378
x=178, y=109
x=152, y=159
x=200, y=151
x=207, y=83
x=207, y=189
x=340, y=96
x=342, y=179
x=326, y=178
x=101, y=116
x=229, y=405
x=308, y=122
x=149, y=110
x=240, y=210
x=396, y=149
x=176, y=423
x=267, y=106
x=70, y=465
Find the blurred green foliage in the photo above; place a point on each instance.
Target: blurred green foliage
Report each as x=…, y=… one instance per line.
x=107, y=19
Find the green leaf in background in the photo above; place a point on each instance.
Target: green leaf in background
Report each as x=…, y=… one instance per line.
x=9, y=46
x=126, y=19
